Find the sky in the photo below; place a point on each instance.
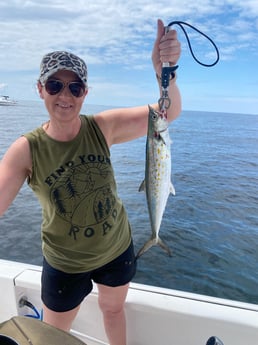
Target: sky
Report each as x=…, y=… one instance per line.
x=115, y=38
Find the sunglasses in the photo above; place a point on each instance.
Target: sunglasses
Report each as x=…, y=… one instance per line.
x=53, y=87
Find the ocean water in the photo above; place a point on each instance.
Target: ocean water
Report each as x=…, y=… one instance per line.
x=211, y=225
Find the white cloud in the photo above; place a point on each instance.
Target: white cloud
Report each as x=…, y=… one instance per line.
x=2, y=86
x=108, y=30
x=119, y=33
x=246, y=8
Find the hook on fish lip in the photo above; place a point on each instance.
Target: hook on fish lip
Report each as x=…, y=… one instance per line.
x=162, y=114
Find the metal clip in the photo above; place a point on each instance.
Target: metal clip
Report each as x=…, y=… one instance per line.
x=164, y=101
x=167, y=72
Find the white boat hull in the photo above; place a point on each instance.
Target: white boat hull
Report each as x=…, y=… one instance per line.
x=5, y=100
x=7, y=103
x=154, y=315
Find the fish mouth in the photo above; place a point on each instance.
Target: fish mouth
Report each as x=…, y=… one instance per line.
x=163, y=129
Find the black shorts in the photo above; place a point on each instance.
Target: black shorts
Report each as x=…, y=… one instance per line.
x=62, y=291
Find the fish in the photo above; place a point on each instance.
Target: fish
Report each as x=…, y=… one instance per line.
x=157, y=183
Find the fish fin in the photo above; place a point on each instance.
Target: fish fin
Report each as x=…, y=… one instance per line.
x=160, y=137
x=164, y=246
x=142, y=186
x=172, y=189
x=152, y=242
x=146, y=246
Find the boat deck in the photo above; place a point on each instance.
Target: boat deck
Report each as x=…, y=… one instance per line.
x=154, y=315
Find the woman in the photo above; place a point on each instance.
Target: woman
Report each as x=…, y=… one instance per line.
x=85, y=231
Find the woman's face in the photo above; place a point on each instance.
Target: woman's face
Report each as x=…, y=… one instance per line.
x=62, y=106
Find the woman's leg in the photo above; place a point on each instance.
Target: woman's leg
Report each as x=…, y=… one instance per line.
x=62, y=294
x=111, y=302
x=59, y=320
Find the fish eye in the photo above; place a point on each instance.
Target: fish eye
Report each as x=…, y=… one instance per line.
x=154, y=116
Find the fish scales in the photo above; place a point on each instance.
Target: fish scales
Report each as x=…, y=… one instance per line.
x=157, y=183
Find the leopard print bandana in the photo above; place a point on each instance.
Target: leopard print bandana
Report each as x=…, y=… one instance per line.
x=62, y=60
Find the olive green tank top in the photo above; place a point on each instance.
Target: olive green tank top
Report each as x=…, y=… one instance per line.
x=84, y=222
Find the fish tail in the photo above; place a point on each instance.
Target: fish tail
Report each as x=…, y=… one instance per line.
x=146, y=246
x=164, y=246
x=153, y=242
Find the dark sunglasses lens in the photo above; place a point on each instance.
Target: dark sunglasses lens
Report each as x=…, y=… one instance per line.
x=53, y=86
x=77, y=89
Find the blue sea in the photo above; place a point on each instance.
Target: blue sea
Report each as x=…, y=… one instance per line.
x=211, y=225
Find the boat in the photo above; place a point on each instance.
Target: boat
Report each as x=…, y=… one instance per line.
x=154, y=315
x=6, y=100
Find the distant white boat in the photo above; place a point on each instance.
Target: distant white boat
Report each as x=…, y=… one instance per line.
x=154, y=315
x=6, y=100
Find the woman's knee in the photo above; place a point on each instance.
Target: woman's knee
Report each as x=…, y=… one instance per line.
x=112, y=299
x=61, y=320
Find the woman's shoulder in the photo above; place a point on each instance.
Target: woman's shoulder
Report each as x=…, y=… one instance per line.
x=36, y=132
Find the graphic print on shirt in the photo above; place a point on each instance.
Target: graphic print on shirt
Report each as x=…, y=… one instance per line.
x=82, y=193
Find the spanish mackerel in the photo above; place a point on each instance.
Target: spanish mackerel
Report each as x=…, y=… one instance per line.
x=157, y=183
